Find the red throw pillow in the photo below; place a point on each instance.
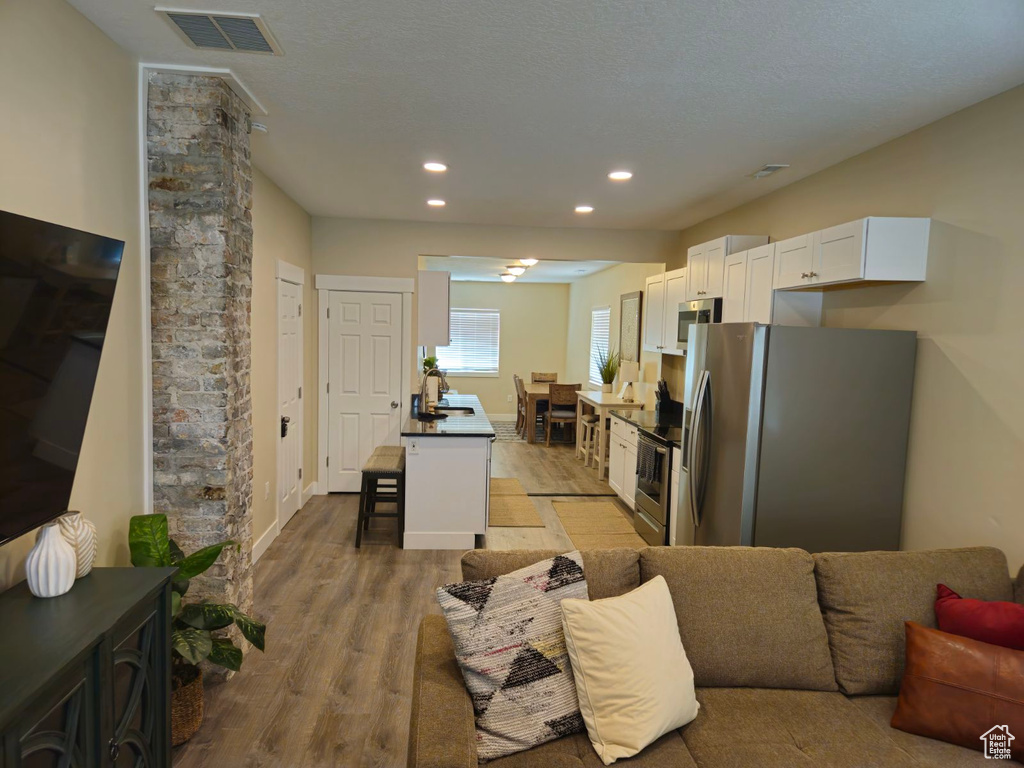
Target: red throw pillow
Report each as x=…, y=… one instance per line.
x=994, y=622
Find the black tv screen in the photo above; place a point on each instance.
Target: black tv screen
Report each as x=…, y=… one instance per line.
x=56, y=289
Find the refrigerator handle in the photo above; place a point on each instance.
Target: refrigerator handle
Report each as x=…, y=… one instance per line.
x=707, y=414
x=692, y=455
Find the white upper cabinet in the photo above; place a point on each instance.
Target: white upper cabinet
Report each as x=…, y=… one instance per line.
x=760, y=274
x=433, y=310
x=794, y=259
x=654, y=312
x=696, y=271
x=705, y=264
x=735, y=287
x=675, y=294
x=875, y=248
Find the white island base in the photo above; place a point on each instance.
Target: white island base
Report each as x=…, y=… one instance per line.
x=447, y=491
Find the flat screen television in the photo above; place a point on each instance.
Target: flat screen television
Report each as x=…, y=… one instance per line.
x=56, y=290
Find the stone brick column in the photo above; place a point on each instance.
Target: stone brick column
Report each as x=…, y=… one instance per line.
x=200, y=196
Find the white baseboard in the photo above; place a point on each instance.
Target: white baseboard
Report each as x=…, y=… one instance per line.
x=263, y=542
x=309, y=492
x=439, y=541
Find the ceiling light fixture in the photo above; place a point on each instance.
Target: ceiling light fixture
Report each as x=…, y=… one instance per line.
x=435, y=167
x=528, y=262
x=620, y=175
x=436, y=203
x=516, y=270
x=508, y=277
x=584, y=209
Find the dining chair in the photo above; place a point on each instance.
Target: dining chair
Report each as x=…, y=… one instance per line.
x=562, y=410
x=520, y=404
x=543, y=378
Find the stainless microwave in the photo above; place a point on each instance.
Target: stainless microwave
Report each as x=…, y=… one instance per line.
x=696, y=313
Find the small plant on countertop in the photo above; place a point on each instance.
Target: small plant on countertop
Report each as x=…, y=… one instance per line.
x=607, y=365
x=429, y=362
x=192, y=624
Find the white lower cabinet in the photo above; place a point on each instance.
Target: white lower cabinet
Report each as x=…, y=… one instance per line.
x=622, y=460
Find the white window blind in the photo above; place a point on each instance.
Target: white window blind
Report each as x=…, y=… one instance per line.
x=474, y=349
x=600, y=322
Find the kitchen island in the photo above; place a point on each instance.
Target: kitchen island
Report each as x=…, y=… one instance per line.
x=447, y=475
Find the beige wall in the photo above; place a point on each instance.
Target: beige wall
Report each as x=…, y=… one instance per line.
x=964, y=480
x=280, y=230
x=533, y=331
x=368, y=247
x=69, y=155
x=604, y=289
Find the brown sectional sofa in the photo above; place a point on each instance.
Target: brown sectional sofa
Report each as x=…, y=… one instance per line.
x=797, y=658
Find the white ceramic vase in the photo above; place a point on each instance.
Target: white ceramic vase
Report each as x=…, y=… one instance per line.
x=50, y=567
x=606, y=387
x=81, y=535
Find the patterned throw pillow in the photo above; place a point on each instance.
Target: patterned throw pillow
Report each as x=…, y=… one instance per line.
x=509, y=643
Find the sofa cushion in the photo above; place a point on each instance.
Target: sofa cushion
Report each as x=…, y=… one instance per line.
x=762, y=728
x=508, y=641
x=576, y=751
x=609, y=572
x=928, y=752
x=867, y=596
x=747, y=616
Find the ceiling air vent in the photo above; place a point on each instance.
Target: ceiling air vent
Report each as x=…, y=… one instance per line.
x=242, y=32
x=768, y=170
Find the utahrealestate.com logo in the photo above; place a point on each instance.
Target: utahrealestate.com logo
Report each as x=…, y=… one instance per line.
x=997, y=743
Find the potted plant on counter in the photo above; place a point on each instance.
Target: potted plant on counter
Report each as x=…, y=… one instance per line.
x=608, y=367
x=194, y=625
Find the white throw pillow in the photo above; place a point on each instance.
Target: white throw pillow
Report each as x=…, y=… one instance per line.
x=632, y=677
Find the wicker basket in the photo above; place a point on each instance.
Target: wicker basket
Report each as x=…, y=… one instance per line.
x=186, y=710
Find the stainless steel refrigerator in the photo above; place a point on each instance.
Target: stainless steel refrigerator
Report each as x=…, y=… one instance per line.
x=797, y=436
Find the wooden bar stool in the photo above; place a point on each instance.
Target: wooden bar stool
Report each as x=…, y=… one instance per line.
x=588, y=440
x=387, y=464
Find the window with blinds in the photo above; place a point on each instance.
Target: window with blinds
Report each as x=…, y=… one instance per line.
x=474, y=349
x=600, y=322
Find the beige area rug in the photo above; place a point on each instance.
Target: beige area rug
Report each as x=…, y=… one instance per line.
x=506, y=486
x=514, y=512
x=597, y=525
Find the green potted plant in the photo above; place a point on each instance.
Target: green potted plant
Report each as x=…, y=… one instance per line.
x=608, y=367
x=429, y=362
x=196, y=627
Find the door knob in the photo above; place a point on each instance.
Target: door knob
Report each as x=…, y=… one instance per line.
x=394, y=403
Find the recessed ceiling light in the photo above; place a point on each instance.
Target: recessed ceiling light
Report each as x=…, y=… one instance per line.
x=516, y=270
x=528, y=262
x=584, y=209
x=620, y=175
x=436, y=203
x=508, y=277
x=435, y=167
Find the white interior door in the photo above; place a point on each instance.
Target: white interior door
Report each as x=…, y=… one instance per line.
x=364, y=381
x=289, y=396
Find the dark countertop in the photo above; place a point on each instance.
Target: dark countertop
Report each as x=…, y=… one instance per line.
x=647, y=421
x=476, y=425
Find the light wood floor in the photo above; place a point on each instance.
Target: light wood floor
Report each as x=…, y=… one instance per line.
x=334, y=688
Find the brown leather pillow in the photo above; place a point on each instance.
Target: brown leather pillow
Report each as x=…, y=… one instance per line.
x=959, y=690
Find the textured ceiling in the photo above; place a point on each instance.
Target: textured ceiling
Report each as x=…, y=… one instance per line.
x=487, y=270
x=531, y=103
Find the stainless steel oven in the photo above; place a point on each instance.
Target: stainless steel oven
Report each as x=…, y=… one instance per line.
x=696, y=313
x=653, y=488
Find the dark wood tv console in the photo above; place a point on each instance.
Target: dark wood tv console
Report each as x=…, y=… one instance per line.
x=85, y=678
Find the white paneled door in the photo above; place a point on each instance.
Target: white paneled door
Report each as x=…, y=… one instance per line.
x=289, y=395
x=365, y=381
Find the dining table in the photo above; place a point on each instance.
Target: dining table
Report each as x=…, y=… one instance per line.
x=602, y=403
